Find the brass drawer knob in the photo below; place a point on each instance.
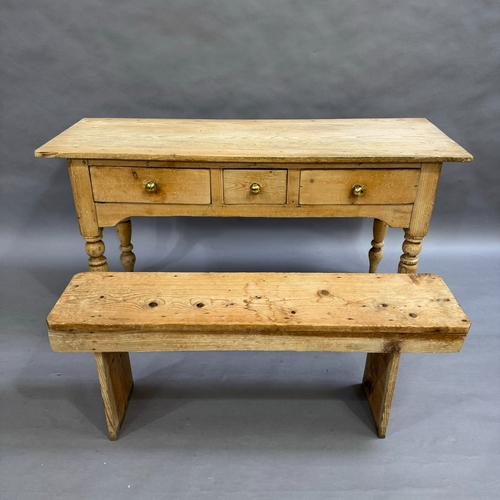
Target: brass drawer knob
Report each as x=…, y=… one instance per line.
x=358, y=190
x=151, y=187
x=255, y=188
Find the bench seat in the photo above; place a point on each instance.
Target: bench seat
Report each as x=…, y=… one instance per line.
x=112, y=314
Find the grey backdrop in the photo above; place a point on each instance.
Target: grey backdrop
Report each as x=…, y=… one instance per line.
x=247, y=425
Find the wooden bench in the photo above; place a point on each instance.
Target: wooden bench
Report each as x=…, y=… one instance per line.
x=384, y=315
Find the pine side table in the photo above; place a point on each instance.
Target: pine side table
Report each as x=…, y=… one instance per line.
x=385, y=169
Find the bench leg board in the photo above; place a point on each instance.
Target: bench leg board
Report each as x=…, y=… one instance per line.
x=115, y=377
x=379, y=381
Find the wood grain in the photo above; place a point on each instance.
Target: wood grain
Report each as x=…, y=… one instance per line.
x=127, y=184
x=83, y=197
x=109, y=214
x=272, y=184
x=245, y=164
x=179, y=341
x=216, y=184
x=378, y=307
x=376, y=253
x=308, y=141
x=306, y=168
x=115, y=378
x=334, y=187
x=293, y=187
x=424, y=203
x=384, y=315
x=94, y=247
x=379, y=382
x=127, y=257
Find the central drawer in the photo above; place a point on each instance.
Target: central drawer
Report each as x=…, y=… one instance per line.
x=151, y=185
x=256, y=187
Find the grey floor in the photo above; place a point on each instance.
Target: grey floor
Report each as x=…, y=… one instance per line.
x=247, y=425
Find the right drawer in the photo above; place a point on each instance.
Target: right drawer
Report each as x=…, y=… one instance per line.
x=358, y=186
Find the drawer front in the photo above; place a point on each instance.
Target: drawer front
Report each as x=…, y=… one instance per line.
x=151, y=185
x=255, y=187
x=379, y=187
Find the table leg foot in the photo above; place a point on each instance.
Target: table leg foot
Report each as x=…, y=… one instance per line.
x=115, y=378
x=379, y=380
x=124, y=232
x=375, y=254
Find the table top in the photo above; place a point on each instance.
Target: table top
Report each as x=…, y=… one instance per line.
x=286, y=141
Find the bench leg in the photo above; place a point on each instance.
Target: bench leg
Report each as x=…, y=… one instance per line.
x=379, y=380
x=115, y=377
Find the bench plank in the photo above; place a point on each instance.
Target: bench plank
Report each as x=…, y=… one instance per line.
x=113, y=312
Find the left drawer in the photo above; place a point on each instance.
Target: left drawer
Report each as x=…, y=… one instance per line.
x=151, y=185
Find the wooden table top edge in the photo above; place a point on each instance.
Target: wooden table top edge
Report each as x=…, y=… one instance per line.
x=252, y=159
x=71, y=143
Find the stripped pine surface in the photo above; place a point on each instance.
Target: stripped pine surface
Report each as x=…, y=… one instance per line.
x=308, y=141
x=174, y=185
x=272, y=185
x=109, y=214
x=330, y=187
x=107, y=312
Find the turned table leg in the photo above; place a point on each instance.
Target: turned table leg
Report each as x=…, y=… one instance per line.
x=94, y=246
x=124, y=232
x=375, y=254
x=115, y=378
x=412, y=246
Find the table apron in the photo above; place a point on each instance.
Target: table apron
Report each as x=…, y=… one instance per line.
x=109, y=214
